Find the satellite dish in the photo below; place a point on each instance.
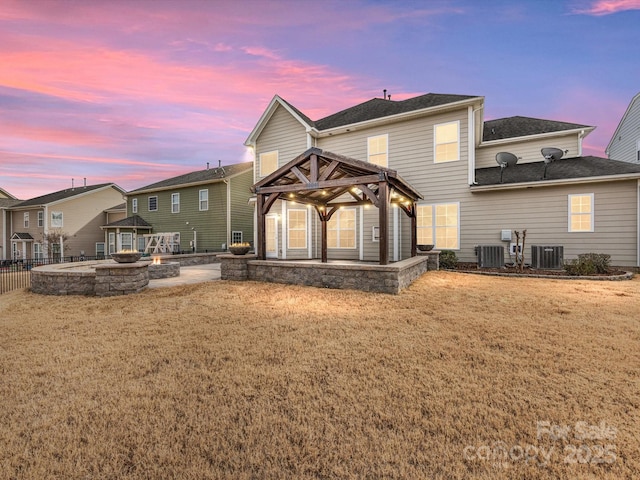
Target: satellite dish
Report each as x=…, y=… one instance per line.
x=505, y=159
x=550, y=154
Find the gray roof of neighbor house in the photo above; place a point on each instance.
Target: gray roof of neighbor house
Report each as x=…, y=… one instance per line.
x=200, y=176
x=563, y=169
x=379, y=108
x=63, y=194
x=21, y=236
x=133, y=221
x=513, y=127
x=8, y=202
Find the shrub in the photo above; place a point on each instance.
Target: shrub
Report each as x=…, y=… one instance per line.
x=588, y=264
x=448, y=259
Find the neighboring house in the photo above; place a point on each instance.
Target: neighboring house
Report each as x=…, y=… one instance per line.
x=625, y=142
x=442, y=147
x=205, y=210
x=6, y=201
x=35, y=226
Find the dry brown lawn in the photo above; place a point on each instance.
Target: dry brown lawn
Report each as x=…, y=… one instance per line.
x=460, y=376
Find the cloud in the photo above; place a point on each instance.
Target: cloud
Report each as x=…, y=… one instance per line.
x=607, y=7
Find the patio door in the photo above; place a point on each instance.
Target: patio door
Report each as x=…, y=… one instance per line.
x=271, y=236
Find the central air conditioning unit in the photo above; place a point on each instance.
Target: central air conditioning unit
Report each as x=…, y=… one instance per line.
x=550, y=257
x=490, y=256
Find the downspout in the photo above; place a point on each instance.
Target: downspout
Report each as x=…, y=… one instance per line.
x=580, y=137
x=472, y=143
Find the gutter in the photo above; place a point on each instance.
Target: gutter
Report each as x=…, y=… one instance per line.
x=538, y=136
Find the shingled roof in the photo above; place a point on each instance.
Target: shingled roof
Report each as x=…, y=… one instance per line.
x=8, y=202
x=379, y=108
x=513, y=127
x=133, y=221
x=563, y=169
x=63, y=194
x=200, y=176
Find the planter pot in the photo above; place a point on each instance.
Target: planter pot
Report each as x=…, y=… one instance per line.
x=126, y=257
x=425, y=248
x=239, y=250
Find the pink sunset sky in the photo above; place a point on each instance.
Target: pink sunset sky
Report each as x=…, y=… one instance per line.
x=136, y=91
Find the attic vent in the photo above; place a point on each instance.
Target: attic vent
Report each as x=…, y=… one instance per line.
x=490, y=256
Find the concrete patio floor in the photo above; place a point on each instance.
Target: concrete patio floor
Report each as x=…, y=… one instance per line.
x=191, y=274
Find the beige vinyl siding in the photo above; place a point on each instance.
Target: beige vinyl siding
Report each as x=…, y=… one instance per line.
x=543, y=212
x=36, y=232
x=527, y=151
x=624, y=145
x=284, y=134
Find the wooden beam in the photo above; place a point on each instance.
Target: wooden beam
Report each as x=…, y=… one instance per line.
x=340, y=182
x=323, y=248
x=261, y=247
x=329, y=170
x=296, y=171
x=268, y=203
x=313, y=174
x=383, y=221
x=414, y=230
x=369, y=194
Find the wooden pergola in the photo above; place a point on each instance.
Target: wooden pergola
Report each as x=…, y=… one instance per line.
x=328, y=181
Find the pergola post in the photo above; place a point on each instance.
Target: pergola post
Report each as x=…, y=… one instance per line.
x=261, y=246
x=323, y=248
x=414, y=229
x=383, y=221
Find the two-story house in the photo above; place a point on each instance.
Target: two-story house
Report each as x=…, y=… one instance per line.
x=205, y=210
x=625, y=142
x=6, y=202
x=60, y=224
x=441, y=146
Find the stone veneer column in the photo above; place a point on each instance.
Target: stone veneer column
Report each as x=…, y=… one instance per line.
x=234, y=267
x=121, y=278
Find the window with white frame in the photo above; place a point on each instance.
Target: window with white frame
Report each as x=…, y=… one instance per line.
x=41, y=218
x=142, y=243
x=134, y=205
x=26, y=219
x=112, y=243
x=126, y=241
x=446, y=142
x=153, y=203
x=377, y=150
x=638, y=151
x=56, y=220
x=236, y=236
x=268, y=163
x=581, y=212
x=100, y=250
x=175, y=203
x=297, y=228
x=341, y=229
x=439, y=225
x=203, y=198
x=38, y=252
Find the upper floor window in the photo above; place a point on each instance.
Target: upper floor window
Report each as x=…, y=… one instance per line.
x=203, y=197
x=153, y=204
x=56, y=220
x=341, y=229
x=26, y=219
x=175, y=203
x=581, y=213
x=446, y=142
x=377, y=150
x=41, y=218
x=268, y=163
x=134, y=205
x=439, y=225
x=297, y=223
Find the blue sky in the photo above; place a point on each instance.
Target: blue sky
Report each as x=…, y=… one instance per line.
x=136, y=91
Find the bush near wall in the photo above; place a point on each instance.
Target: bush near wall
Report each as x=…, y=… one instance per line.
x=588, y=264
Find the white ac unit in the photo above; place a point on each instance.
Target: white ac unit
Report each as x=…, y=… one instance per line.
x=490, y=256
x=547, y=256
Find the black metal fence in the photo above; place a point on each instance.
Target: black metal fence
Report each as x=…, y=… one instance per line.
x=17, y=273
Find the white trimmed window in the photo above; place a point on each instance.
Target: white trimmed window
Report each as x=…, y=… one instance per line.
x=134, y=205
x=581, y=212
x=439, y=225
x=153, y=203
x=446, y=142
x=126, y=241
x=56, y=220
x=175, y=203
x=100, y=250
x=112, y=242
x=377, y=150
x=297, y=228
x=41, y=218
x=341, y=229
x=38, y=253
x=268, y=163
x=203, y=199
x=26, y=219
x=236, y=236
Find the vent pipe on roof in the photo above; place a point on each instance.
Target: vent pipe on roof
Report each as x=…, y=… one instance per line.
x=72, y=184
x=219, y=163
x=384, y=94
x=85, y=182
x=207, y=165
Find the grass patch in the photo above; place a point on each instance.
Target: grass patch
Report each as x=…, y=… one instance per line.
x=253, y=380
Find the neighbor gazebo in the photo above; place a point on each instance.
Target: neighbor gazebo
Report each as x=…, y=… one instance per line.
x=328, y=181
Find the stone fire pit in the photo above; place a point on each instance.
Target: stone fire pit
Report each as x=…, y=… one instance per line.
x=126, y=257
